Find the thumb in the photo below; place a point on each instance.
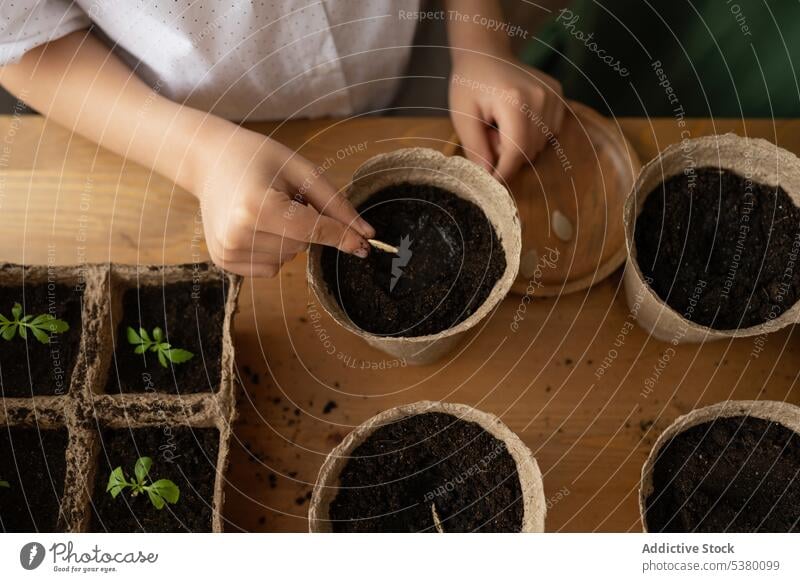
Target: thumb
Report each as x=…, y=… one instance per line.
x=513, y=133
x=474, y=136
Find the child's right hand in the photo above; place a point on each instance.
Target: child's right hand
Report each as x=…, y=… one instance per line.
x=247, y=184
x=262, y=203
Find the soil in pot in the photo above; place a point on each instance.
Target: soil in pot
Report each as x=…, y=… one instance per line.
x=191, y=317
x=427, y=473
x=186, y=456
x=738, y=474
x=28, y=366
x=34, y=475
x=450, y=259
x=719, y=249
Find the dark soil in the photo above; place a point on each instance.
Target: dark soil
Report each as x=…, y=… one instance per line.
x=29, y=367
x=35, y=474
x=186, y=456
x=455, y=260
x=738, y=474
x=191, y=318
x=403, y=469
x=722, y=253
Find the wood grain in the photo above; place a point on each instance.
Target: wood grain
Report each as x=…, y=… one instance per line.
x=580, y=180
x=582, y=386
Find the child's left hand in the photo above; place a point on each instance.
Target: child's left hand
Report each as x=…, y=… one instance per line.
x=503, y=111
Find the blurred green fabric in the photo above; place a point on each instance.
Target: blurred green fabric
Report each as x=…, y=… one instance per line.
x=717, y=58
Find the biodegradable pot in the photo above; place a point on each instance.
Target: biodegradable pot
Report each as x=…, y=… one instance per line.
x=781, y=412
x=464, y=179
x=758, y=159
x=84, y=406
x=530, y=478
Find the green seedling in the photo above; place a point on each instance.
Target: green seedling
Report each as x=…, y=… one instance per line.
x=4, y=484
x=160, y=492
x=41, y=326
x=165, y=351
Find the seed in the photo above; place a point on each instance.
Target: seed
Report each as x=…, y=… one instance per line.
x=562, y=226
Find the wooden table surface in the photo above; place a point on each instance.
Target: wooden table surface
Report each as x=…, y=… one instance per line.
x=63, y=200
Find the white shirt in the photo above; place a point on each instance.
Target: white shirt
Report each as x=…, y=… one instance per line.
x=242, y=60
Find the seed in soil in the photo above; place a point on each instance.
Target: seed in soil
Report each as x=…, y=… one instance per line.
x=737, y=474
x=427, y=473
x=185, y=456
x=449, y=260
x=33, y=465
x=719, y=249
x=179, y=315
x=30, y=366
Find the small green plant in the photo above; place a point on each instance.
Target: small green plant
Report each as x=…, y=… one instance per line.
x=165, y=351
x=41, y=326
x=5, y=484
x=160, y=492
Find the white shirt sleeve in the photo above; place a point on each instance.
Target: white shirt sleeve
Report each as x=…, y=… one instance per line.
x=25, y=25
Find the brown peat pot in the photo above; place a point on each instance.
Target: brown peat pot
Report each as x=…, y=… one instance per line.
x=731, y=466
x=454, y=430
x=423, y=167
x=746, y=288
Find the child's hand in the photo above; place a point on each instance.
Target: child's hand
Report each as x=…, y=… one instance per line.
x=253, y=193
x=245, y=182
x=503, y=111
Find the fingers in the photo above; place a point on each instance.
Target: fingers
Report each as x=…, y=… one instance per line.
x=303, y=223
x=249, y=269
x=522, y=139
x=473, y=132
x=554, y=110
x=251, y=256
x=548, y=100
x=251, y=262
x=324, y=197
x=514, y=131
x=251, y=240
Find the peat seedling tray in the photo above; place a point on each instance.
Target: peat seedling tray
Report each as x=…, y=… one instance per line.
x=92, y=407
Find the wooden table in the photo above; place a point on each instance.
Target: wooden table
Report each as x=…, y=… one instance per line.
x=64, y=200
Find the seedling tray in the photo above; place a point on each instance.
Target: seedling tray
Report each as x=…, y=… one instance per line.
x=97, y=414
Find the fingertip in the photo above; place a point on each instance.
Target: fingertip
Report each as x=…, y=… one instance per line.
x=365, y=228
x=475, y=142
x=354, y=244
x=362, y=250
x=503, y=170
x=480, y=160
x=486, y=165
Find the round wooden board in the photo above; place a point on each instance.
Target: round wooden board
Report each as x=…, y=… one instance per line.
x=582, y=189
x=576, y=186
